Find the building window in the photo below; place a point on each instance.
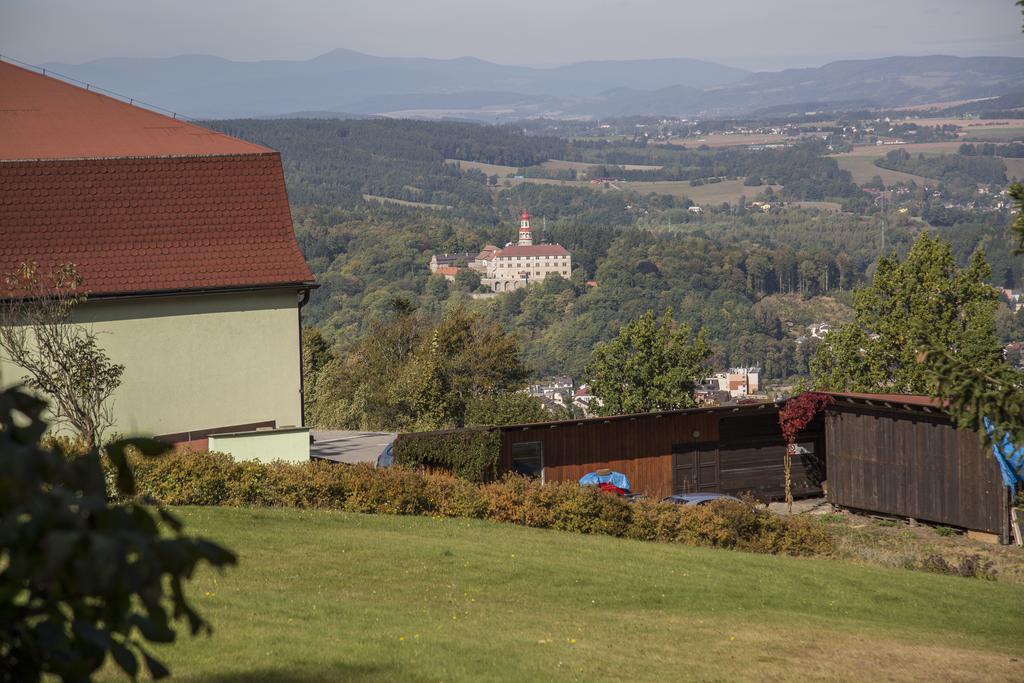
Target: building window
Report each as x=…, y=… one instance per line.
x=528, y=459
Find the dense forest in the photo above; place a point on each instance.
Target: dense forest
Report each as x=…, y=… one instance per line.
x=751, y=280
x=949, y=168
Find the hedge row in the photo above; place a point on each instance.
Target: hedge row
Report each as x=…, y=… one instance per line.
x=186, y=478
x=469, y=453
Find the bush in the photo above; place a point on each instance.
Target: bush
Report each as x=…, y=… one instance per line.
x=972, y=566
x=587, y=510
x=654, y=521
x=507, y=500
x=186, y=477
x=469, y=453
x=189, y=478
x=391, y=490
x=449, y=496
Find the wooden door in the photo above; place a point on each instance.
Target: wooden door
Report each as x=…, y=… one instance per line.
x=695, y=468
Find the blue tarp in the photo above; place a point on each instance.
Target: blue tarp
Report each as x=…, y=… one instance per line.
x=614, y=478
x=1009, y=456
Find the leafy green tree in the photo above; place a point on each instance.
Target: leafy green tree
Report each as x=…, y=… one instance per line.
x=316, y=355
x=972, y=394
x=1017, y=194
x=925, y=301
x=651, y=365
x=506, y=409
x=83, y=576
x=407, y=374
x=467, y=279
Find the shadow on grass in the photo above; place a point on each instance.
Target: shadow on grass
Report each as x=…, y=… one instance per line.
x=332, y=673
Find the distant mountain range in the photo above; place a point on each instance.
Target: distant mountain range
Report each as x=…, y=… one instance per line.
x=343, y=82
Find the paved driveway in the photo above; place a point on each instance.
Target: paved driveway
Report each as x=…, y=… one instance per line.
x=349, y=447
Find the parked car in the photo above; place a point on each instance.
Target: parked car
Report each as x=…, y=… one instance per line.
x=698, y=498
x=387, y=456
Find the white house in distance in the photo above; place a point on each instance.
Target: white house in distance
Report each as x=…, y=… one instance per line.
x=737, y=382
x=183, y=237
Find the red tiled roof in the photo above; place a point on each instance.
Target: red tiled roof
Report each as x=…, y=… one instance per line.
x=447, y=270
x=149, y=225
x=138, y=202
x=46, y=118
x=532, y=250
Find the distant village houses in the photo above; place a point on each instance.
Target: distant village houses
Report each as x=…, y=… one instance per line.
x=735, y=383
x=503, y=269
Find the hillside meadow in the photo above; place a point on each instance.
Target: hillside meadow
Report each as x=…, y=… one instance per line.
x=330, y=596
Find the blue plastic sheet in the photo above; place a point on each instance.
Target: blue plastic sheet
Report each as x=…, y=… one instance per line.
x=1009, y=456
x=614, y=478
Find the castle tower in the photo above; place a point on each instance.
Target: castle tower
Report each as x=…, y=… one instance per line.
x=525, y=233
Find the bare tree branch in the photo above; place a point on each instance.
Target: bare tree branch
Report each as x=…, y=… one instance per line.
x=61, y=359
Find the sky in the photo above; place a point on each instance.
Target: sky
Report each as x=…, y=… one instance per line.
x=753, y=34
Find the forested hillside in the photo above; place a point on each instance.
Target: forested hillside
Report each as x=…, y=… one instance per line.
x=752, y=280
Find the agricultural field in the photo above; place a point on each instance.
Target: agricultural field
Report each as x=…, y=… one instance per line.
x=330, y=596
x=732, y=140
x=863, y=169
x=966, y=125
x=995, y=134
x=822, y=206
x=583, y=167
x=403, y=202
x=914, y=148
x=488, y=169
x=1014, y=168
x=711, y=193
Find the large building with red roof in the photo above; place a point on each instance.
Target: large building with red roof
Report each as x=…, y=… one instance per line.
x=183, y=237
x=516, y=265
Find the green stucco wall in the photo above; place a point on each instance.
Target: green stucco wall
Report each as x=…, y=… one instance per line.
x=290, y=445
x=196, y=362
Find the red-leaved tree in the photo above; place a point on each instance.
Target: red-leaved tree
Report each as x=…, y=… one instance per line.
x=794, y=416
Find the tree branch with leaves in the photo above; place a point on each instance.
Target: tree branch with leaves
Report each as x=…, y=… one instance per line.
x=62, y=359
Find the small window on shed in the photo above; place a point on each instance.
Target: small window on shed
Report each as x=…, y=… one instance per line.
x=528, y=458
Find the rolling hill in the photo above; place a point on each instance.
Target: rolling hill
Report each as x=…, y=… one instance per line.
x=470, y=88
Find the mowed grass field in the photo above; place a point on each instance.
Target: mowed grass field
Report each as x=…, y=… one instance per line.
x=863, y=169
x=329, y=596
x=1014, y=168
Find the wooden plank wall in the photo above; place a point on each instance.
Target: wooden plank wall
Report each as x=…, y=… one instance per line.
x=916, y=466
x=751, y=452
x=640, y=447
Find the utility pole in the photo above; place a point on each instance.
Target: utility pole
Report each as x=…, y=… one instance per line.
x=884, y=219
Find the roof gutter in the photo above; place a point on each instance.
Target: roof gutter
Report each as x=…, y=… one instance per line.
x=305, y=287
x=302, y=367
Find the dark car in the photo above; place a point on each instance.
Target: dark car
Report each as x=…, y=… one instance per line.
x=698, y=498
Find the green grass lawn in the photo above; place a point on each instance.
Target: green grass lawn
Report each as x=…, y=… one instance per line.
x=329, y=596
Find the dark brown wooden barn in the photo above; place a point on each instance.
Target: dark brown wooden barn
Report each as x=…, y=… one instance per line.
x=887, y=454
x=735, y=449
x=902, y=456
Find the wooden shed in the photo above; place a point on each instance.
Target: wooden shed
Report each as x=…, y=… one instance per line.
x=902, y=456
x=888, y=454
x=732, y=449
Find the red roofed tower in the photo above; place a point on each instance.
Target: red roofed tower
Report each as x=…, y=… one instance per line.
x=525, y=233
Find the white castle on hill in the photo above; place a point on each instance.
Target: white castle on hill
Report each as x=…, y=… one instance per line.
x=512, y=266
